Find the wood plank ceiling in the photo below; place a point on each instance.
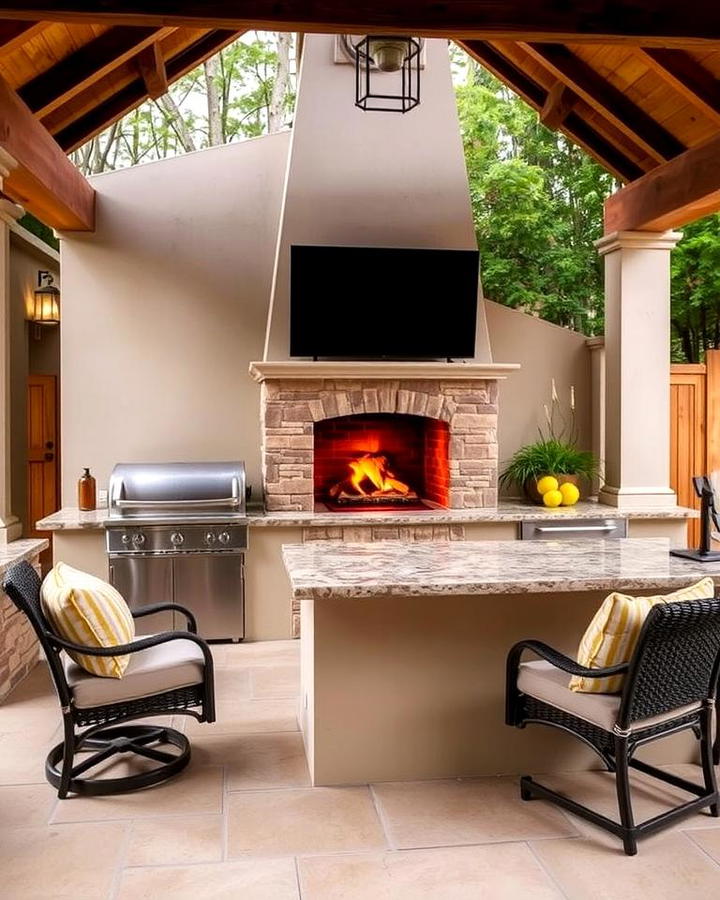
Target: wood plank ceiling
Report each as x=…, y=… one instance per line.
x=77, y=79
x=634, y=102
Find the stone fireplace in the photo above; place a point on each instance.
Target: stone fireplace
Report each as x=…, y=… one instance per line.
x=435, y=425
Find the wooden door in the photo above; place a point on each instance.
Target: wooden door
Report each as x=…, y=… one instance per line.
x=42, y=465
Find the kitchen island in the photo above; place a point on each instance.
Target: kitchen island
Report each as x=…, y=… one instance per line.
x=404, y=646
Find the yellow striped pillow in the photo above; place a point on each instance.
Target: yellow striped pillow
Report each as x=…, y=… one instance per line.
x=612, y=634
x=87, y=610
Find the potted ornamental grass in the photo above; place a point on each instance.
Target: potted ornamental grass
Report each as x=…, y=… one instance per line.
x=553, y=471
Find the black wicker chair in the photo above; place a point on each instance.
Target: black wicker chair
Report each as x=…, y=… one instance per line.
x=670, y=685
x=99, y=704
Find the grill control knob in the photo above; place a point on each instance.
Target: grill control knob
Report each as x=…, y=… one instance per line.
x=125, y=539
x=138, y=539
x=176, y=539
x=209, y=538
x=224, y=537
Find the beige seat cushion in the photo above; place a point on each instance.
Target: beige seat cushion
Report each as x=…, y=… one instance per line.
x=165, y=667
x=543, y=681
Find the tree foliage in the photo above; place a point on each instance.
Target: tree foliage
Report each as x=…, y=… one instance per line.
x=695, y=313
x=537, y=202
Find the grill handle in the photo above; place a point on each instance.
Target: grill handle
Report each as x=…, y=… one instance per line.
x=556, y=528
x=176, y=504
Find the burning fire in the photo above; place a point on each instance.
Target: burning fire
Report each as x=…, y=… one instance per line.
x=370, y=477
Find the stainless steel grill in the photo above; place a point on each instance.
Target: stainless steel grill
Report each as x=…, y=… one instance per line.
x=178, y=533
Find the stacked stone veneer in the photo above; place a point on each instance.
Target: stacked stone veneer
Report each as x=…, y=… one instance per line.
x=18, y=646
x=290, y=408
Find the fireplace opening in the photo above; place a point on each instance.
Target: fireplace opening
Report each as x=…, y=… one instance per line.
x=381, y=461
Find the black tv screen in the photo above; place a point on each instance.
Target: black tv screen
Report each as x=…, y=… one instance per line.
x=378, y=303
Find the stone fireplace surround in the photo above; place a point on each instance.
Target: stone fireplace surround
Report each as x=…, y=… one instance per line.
x=295, y=395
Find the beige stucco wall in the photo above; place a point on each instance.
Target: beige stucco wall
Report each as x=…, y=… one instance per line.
x=369, y=178
x=164, y=306
x=27, y=354
x=544, y=351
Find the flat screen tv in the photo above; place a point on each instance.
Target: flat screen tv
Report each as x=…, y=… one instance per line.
x=379, y=303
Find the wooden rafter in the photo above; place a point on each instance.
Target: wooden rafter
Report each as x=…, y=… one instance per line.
x=104, y=114
x=680, y=191
x=110, y=84
x=14, y=34
x=151, y=66
x=558, y=105
x=607, y=100
x=44, y=181
x=576, y=128
x=644, y=22
x=688, y=77
x=66, y=79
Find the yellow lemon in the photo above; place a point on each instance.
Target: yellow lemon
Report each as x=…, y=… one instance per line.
x=552, y=498
x=547, y=483
x=570, y=494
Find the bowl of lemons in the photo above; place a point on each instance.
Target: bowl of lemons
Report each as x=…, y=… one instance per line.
x=557, y=490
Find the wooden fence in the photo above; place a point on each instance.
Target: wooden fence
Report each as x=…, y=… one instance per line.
x=694, y=428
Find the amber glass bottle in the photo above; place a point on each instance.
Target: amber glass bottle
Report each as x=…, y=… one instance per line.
x=86, y=491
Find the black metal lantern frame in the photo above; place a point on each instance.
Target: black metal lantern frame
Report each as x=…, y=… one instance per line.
x=367, y=97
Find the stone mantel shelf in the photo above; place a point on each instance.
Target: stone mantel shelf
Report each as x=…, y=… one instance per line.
x=304, y=369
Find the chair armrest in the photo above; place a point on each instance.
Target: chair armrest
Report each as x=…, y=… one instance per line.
x=555, y=658
x=144, y=643
x=560, y=661
x=160, y=607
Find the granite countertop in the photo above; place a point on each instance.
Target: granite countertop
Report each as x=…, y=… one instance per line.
x=324, y=569
x=72, y=519
x=17, y=551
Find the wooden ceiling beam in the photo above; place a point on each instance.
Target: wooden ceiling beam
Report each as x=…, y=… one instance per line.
x=577, y=129
x=640, y=22
x=688, y=77
x=14, y=34
x=674, y=194
x=607, y=100
x=151, y=66
x=98, y=119
x=66, y=79
x=558, y=105
x=44, y=181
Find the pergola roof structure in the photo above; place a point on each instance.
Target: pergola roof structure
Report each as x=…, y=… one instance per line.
x=636, y=84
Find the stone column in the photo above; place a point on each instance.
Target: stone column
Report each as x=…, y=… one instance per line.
x=637, y=373
x=10, y=526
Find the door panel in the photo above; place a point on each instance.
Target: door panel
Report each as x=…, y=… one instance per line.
x=142, y=581
x=212, y=588
x=42, y=462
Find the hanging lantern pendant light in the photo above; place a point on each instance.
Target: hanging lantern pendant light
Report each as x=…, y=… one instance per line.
x=379, y=55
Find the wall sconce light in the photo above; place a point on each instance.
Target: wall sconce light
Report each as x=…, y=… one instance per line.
x=45, y=308
x=383, y=54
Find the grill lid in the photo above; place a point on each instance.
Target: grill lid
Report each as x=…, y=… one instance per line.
x=177, y=490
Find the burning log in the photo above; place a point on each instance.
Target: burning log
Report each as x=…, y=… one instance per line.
x=370, y=477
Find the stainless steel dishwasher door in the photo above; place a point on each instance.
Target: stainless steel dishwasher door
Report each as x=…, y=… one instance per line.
x=212, y=586
x=143, y=580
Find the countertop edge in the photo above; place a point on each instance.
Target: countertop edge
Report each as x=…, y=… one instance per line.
x=485, y=568
x=21, y=550
x=72, y=519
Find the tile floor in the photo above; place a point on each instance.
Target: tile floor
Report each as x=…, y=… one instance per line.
x=243, y=822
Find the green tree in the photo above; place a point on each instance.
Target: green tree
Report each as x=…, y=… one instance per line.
x=537, y=202
x=695, y=313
